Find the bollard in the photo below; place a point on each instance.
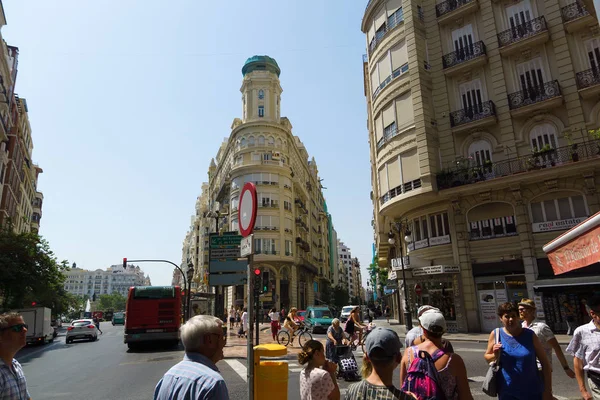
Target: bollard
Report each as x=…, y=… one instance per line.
x=270, y=377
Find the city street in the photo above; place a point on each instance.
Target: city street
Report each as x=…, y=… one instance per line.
x=106, y=369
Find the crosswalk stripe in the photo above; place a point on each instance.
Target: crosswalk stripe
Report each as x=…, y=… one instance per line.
x=477, y=378
x=238, y=367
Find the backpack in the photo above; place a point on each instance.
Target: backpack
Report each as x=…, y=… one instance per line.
x=422, y=378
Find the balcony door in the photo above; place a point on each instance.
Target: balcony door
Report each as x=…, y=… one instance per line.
x=518, y=15
x=531, y=78
x=471, y=97
x=462, y=41
x=480, y=151
x=592, y=47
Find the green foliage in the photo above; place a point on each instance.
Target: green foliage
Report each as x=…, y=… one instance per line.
x=325, y=292
x=30, y=272
x=113, y=302
x=341, y=297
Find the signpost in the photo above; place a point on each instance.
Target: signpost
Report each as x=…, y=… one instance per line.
x=246, y=220
x=224, y=267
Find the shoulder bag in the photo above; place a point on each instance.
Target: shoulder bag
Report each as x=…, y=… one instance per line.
x=490, y=383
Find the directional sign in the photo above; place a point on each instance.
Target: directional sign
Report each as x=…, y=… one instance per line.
x=225, y=240
x=247, y=209
x=227, y=279
x=224, y=254
x=246, y=246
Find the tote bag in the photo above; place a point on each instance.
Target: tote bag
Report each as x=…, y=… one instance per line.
x=490, y=383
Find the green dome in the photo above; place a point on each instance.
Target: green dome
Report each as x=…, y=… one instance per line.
x=260, y=63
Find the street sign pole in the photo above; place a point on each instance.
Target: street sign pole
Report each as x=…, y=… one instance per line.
x=250, y=315
x=257, y=298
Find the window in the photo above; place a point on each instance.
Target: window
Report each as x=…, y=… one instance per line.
x=592, y=47
x=271, y=141
x=471, y=97
x=390, y=130
x=558, y=209
x=261, y=111
x=267, y=156
x=288, y=247
x=235, y=202
x=493, y=227
x=542, y=135
x=255, y=156
x=265, y=246
x=267, y=222
x=480, y=151
x=531, y=77
x=261, y=140
x=462, y=41
x=251, y=141
x=518, y=15
x=261, y=94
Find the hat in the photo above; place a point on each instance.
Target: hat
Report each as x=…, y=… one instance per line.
x=527, y=303
x=422, y=309
x=383, y=338
x=433, y=321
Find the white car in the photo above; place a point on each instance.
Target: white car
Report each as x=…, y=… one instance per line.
x=346, y=313
x=82, y=329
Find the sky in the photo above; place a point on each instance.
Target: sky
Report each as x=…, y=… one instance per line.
x=130, y=99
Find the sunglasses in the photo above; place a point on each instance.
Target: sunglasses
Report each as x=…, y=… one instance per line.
x=16, y=328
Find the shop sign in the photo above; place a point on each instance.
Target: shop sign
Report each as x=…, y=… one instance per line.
x=421, y=244
x=556, y=225
x=436, y=269
x=392, y=276
x=578, y=253
x=397, y=263
x=391, y=284
x=434, y=241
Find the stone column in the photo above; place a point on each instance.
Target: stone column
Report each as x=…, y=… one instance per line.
x=526, y=238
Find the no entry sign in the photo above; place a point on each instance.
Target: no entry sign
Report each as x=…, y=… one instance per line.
x=247, y=209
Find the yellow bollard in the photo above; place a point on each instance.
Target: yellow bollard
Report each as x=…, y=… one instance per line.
x=270, y=377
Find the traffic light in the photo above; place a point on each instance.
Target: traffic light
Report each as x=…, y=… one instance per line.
x=124, y=262
x=94, y=297
x=257, y=281
x=33, y=303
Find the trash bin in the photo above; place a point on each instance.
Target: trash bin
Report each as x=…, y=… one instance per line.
x=270, y=377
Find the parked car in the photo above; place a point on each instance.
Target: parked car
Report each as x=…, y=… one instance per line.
x=118, y=318
x=301, y=315
x=345, y=313
x=82, y=329
x=318, y=318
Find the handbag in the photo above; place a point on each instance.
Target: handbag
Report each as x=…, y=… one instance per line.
x=490, y=383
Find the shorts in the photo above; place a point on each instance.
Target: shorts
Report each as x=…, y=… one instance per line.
x=232, y=320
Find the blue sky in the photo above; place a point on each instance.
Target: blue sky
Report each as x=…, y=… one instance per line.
x=129, y=100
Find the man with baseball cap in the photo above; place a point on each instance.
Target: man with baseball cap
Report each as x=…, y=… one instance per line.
x=415, y=335
x=382, y=351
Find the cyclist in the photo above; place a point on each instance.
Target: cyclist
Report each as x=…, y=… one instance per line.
x=353, y=325
x=292, y=323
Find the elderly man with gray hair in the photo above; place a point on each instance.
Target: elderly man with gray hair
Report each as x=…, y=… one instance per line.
x=197, y=376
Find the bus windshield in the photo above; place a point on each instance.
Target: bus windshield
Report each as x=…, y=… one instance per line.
x=153, y=292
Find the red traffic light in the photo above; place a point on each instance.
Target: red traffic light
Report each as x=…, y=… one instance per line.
x=256, y=271
x=33, y=303
x=124, y=262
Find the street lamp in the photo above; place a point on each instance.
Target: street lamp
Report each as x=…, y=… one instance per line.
x=399, y=228
x=190, y=276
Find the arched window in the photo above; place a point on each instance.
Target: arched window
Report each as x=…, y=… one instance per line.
x=261, y=94
x=251, y=141
x=261, y=140
x=271, y=141
x=243, y=142
x=542, y=135
x=278, y=143
x=480, y=151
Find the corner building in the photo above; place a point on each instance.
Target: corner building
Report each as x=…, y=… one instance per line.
x=482, y=118
x=291, y=234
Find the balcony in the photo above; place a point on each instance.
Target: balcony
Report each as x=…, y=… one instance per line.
x=531, y=33
x=398, y=190
x=392, y=22
x=576, y=17
x=465, y=174
x=534, y=98
x=475, y=116
x=449, y=10
x=395, y=74
x=464, y=59
x=588, y=83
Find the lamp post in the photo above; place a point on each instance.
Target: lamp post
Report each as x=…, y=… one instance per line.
x=401, y=227
x=190, y=276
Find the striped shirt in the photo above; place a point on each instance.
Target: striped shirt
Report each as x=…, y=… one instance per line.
x=585, y=345
x=364, y=390
x=196, y=377
x=13, y=385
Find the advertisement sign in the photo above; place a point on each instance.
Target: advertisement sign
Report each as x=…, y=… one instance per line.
x=488, y=305
x=421, y=244
x=436, y=269
x=578, y=253
x=435, y=241
x=556, y=225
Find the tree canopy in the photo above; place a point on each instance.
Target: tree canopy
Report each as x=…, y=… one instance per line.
x=114, y=301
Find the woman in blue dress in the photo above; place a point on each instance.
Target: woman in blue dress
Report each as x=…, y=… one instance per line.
x=519, y=377
x=335, y=335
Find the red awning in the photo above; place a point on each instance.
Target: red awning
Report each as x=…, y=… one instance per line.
x=576, y=248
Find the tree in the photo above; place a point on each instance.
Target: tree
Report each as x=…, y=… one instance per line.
x=30, y=272
x=114, y=301
x=340, y=297
x=325, y=292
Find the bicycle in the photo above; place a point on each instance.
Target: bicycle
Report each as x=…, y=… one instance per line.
x=354, y=342
x=284, y=338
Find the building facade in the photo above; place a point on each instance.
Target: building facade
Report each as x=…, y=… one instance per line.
x=114, y=279
x=482, y=119
x=292, y=231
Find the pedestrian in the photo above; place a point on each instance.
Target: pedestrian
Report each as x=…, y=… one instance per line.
x=446, y=371
x=97, y=323
x=517, y=349
x=382, y=356
x=335, y=337
x=585, y=349
x=13, y=337
x=283, y=315
x=197, y=376
x=317, y=379
x=570, y=317
x=231, y=317
x=274, y=316
x=238, y=317
x=544, y=333
x=415, y=335
x=244, y=327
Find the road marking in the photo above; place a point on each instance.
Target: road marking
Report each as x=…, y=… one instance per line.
x=295, y=369
x=477, y=378
x=239, y=368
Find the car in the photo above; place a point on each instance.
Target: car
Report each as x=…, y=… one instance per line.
x=118, y=318
x=82, y=329
x=318, y=318
x=345, y=313
x=301, y=315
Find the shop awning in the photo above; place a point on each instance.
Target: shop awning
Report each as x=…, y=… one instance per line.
x=558, y=282
x=576, y=248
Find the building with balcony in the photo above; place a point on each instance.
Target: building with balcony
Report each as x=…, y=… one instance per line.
x=292, y=232
x=482, y=119
x=114, y=279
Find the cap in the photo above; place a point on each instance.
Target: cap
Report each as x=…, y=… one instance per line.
x=433, y=321
x=383, y=338
x=527, y=303
x=422, y=309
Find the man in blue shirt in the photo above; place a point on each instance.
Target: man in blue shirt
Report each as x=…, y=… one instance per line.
x=197, y=376
x=13, y=337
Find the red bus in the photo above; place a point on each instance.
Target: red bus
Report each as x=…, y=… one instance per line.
x=153, y=314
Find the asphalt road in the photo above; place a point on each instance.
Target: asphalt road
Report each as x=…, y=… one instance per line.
x=105, y=369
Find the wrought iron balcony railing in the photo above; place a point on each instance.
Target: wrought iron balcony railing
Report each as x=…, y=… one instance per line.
x=398, y=190
x=588, y=78
x=468, y=174
x=523, y=31
x=463, y=55
x=473, y=113
x=395, y=73
x=533, y=94
x=392, y=22
x=574, y=11
x=448, y=6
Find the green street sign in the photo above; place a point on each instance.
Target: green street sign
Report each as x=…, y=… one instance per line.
x=225, y=241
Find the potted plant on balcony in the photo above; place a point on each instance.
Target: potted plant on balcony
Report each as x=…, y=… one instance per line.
x=487, y=166
x=574, y=154
x=595, y=134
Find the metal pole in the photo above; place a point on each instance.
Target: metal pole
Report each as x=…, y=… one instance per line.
x=249, y=340
x=407, y=314
x=256, y=339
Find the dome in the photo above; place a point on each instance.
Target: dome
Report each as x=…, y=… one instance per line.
x=260, y=63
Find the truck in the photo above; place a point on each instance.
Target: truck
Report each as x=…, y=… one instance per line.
x=99, y=315
x=39, y=322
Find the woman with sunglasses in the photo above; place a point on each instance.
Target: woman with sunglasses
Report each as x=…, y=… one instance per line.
x=13, y=337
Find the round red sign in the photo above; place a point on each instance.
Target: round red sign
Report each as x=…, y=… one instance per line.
x=247, y=209
x=418, y=289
